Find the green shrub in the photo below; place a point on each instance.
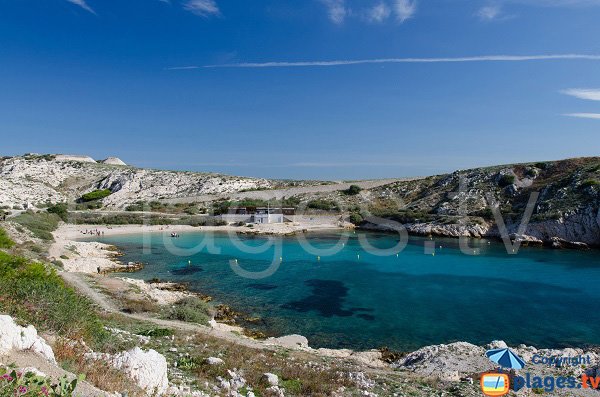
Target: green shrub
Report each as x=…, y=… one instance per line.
x=353, y=190
x=191, y=310
x=506, y=180
x=41, y=224
x=325, y=205
x=35, y=294
x=156, y=332
x=589, y=183
x=96, y=195
x=356, y=218
x=60, y=209
x=5, y=241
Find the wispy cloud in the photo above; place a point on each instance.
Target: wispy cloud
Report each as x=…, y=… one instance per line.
x=336, y=10
x=378, y=13
x=489, y=12
x=592, y=94
x=404, y=9
x=203, y=8
x=484, y=58
x=82, y=4
x=595, y=116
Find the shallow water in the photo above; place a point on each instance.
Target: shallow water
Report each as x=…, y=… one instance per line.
x=353, y=299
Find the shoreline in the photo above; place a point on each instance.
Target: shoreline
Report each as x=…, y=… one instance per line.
x=95, y=254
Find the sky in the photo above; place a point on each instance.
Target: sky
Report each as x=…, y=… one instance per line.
x=302, y=89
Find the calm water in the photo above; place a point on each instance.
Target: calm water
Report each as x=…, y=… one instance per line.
x=542, y=297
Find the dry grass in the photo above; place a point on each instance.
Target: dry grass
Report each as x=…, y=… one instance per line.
x=71, y=357
x=300, y=374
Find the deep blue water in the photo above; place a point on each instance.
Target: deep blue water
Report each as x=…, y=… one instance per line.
x=542, y=297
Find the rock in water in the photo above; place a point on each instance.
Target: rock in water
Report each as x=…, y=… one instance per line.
x=15, y=337
x=147, y=369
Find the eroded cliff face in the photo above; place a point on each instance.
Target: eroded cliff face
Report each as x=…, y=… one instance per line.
x=36, y=179
x=564, y=198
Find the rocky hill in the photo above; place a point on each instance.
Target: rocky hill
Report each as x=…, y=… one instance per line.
x=37, y=179
x=567, y=207
x=565, y=213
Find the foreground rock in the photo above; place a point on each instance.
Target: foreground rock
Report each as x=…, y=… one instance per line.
x=15, y=337
x=147, y=368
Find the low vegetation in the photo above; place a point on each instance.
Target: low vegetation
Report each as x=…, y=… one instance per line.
x=191, y=310
x=96, y=195
x=353, y=190
x=35, y=294
x=41, y=224
x=5, y=241
x=323, y=205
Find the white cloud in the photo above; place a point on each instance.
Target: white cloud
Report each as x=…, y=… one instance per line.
x=484, y=58
x=489, y=12
x=379, y=13
x=203, y=8
x=82, y=4
x=404, y=9
x=595, y=116
x=336, y=9
x=592, y=94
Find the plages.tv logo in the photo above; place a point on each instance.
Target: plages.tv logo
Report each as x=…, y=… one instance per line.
x=496, y=384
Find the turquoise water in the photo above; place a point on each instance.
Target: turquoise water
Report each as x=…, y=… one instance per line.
x=353, y=299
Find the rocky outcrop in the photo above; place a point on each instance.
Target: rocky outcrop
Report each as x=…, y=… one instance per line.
x=147, y=368
x=15, y=337
x=74, y=157
x=40, y=179
x=113, y=161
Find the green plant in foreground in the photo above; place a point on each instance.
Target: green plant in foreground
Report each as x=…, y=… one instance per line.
x=37, y=295
x=13, y=383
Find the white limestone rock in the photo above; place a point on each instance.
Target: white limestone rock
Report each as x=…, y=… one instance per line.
x=113, y=161
x=15, y=337
x=147, y=368
x=270, y=379
x=289, y=341
x=214, y=361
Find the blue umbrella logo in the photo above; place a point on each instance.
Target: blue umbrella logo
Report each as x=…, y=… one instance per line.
x=505, y=358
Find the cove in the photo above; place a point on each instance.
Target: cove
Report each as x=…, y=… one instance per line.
x=353, y=299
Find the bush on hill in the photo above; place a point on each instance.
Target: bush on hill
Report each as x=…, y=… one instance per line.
x=506, y=180
x=41, y=224
x=353, y=190
x=5, y=241
x=324, y=205
x=60, y=209
x=96, y=195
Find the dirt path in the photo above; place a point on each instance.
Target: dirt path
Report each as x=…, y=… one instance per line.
x=77, y=281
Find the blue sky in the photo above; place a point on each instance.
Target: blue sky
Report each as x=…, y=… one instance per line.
x=271, y=88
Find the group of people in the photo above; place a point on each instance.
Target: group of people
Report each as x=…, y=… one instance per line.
x=175, y=234
x=93, y=232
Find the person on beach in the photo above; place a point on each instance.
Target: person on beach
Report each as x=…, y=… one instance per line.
x=98, y=268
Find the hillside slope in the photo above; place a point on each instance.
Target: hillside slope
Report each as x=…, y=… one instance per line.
x=35, y=179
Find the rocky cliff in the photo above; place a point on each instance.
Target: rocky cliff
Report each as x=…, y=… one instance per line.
x=37, y=179
x=566, y=208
